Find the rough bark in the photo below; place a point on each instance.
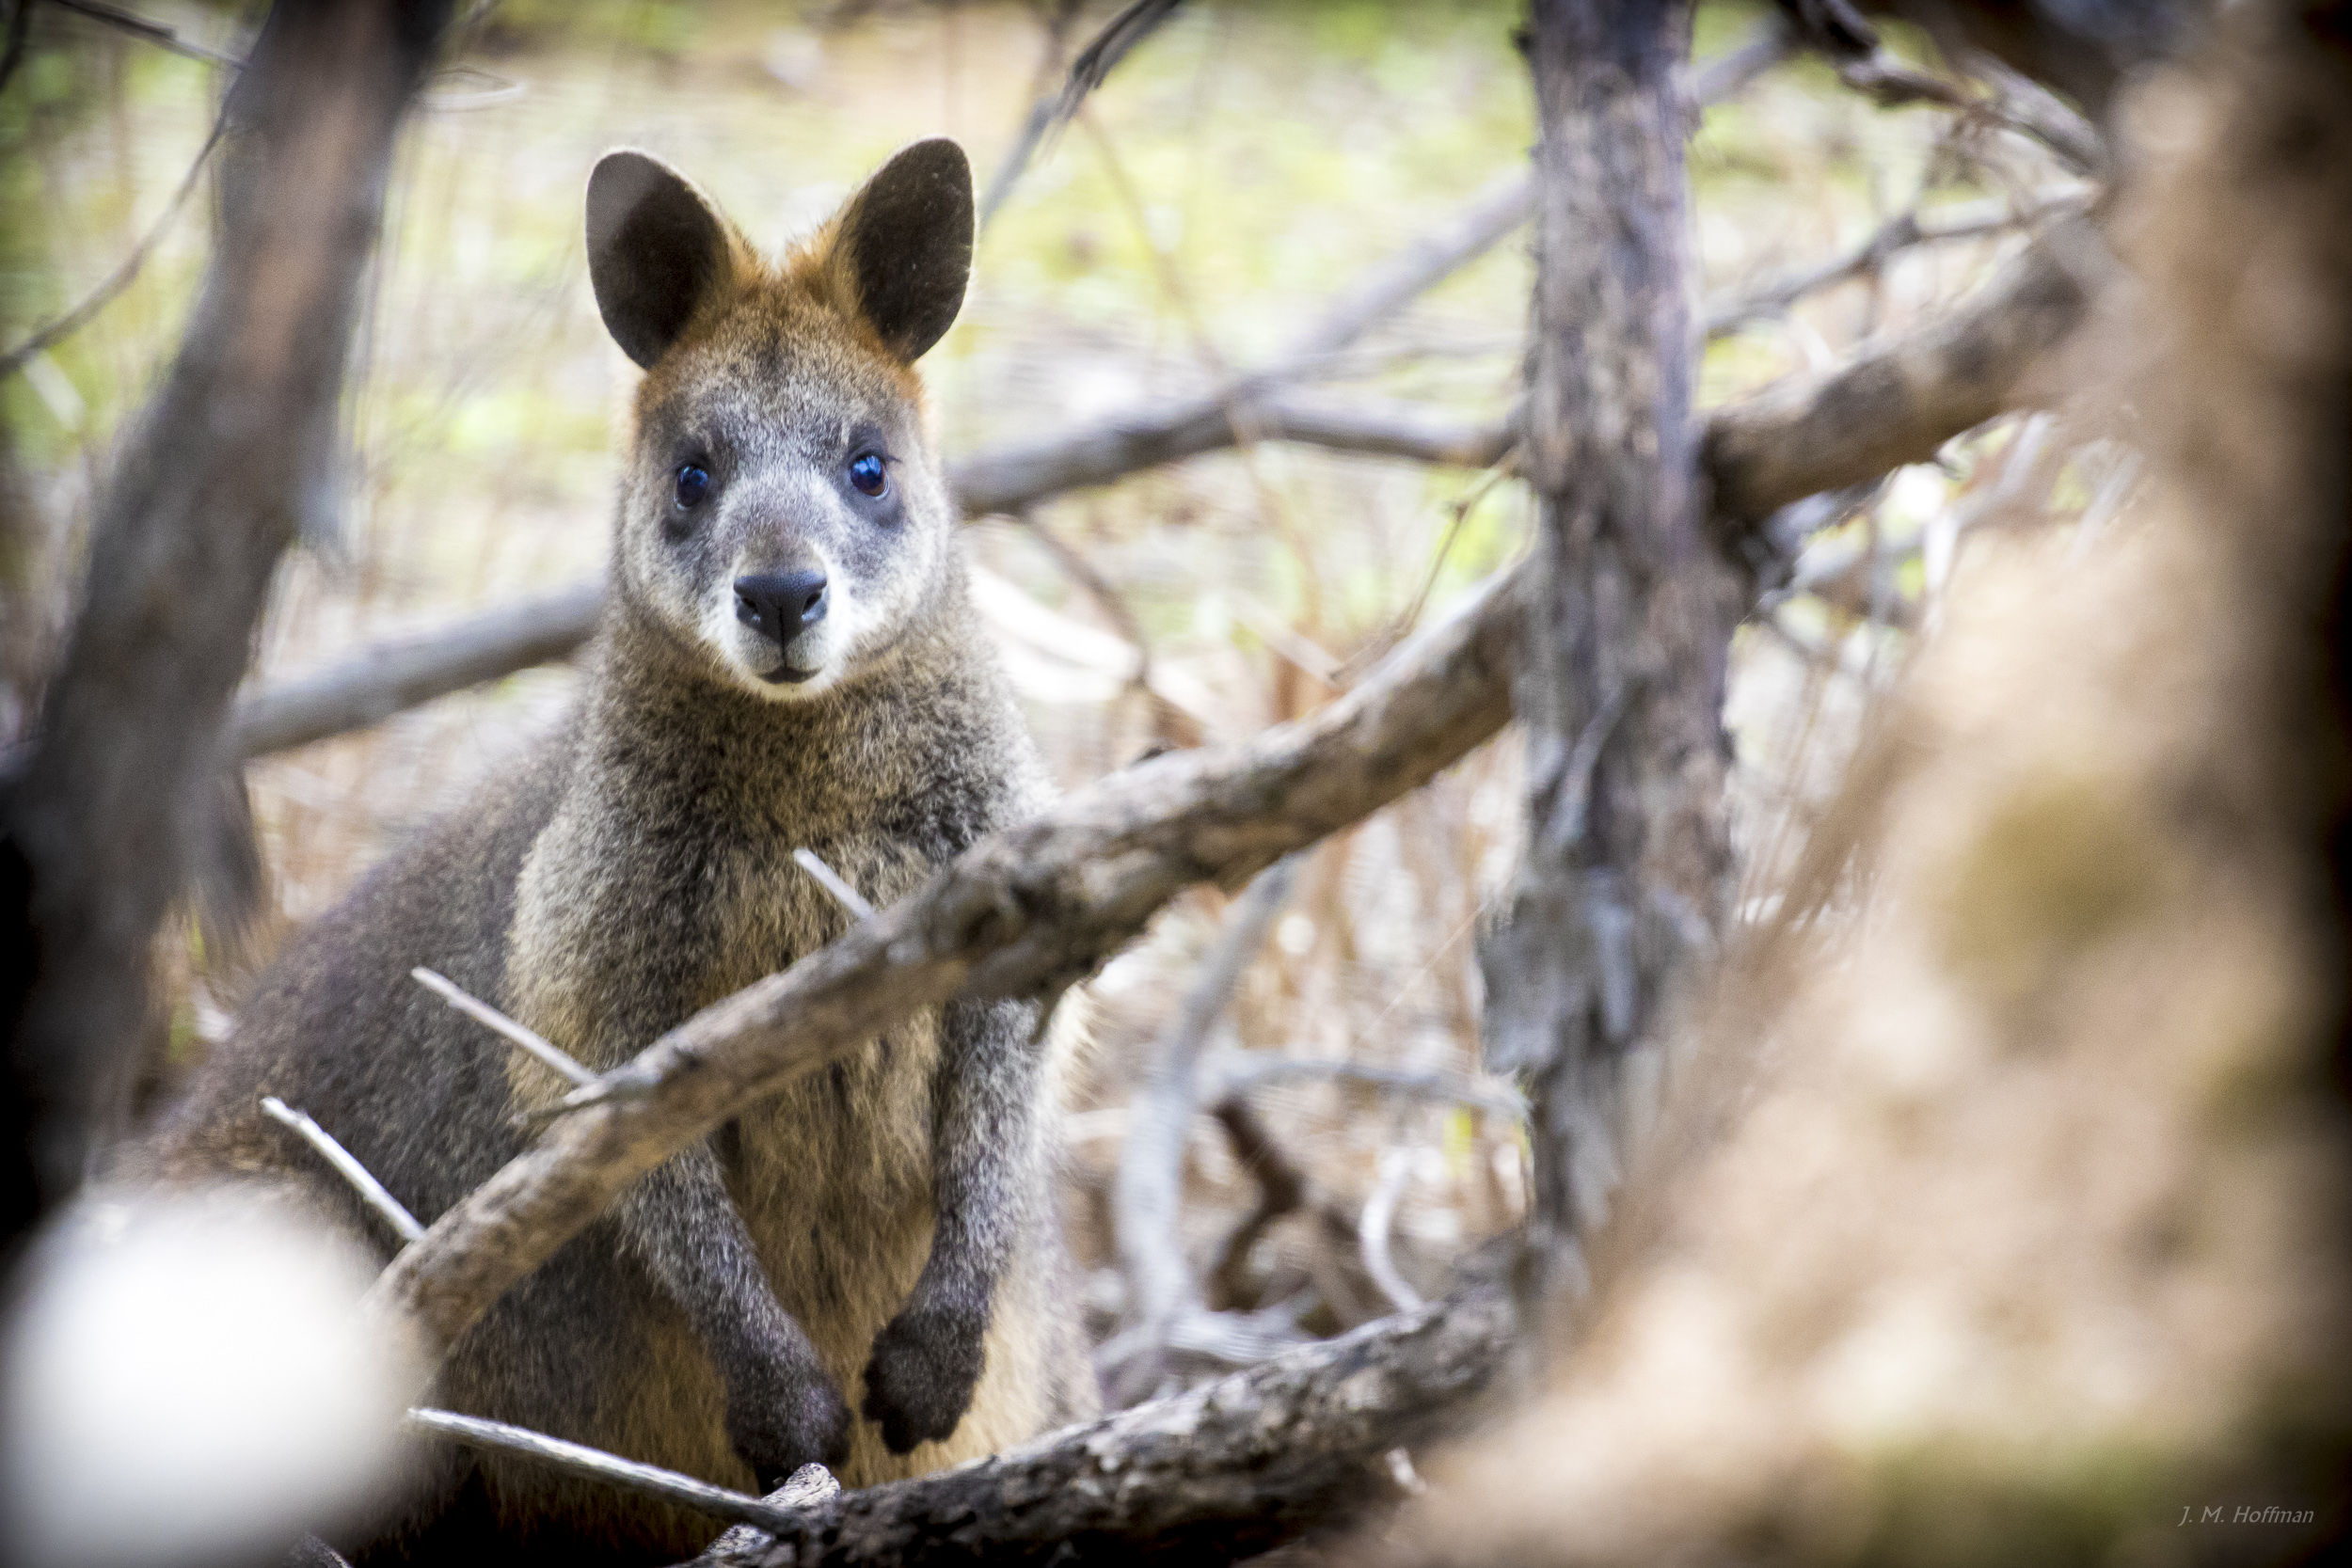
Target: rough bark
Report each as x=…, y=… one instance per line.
x=1630, y=609
x=202, y=502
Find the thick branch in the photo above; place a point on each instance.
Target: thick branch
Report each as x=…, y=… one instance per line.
x=1898, y=400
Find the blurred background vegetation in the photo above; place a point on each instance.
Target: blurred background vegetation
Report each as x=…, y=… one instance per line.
x=1235, y=171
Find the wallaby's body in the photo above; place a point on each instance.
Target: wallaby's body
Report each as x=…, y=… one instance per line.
x=789, y=659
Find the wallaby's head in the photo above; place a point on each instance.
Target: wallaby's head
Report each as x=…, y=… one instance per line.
x=782, y=518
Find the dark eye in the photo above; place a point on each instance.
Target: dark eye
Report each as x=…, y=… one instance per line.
x=867, y=473
x=693, y=484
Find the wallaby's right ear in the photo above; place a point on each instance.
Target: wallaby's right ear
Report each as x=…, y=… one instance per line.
x=656, y=250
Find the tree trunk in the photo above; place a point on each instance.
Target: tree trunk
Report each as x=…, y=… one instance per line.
x=1620, y=689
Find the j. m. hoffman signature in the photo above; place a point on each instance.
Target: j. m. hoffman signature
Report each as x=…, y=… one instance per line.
x=2246, y=1513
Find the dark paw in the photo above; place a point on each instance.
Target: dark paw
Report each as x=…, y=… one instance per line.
x=919, y=1383
x=788, y=1423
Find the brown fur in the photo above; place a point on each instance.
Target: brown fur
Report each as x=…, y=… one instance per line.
x=641, y=868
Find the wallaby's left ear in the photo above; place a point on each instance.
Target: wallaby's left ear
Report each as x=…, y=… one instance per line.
x=904, y=246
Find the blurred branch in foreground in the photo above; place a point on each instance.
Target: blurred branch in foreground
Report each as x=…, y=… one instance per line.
x=2031, y=1243
x=201, y=504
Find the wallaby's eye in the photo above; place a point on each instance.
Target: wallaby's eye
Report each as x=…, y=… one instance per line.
x=693, y=484
x=868, y=474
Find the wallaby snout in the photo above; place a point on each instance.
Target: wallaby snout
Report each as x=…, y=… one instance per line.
x=781, y=606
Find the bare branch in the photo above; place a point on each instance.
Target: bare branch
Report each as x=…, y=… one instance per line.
x=383, y=678
x=1020, y=913
x=47, y=338
x=1372, y=1229
x=1496, y=1095
x=810, y=1483
x=1148, y=1195
x=153, y=32
x=1897, y=401
x=1906, y=230
x=347, y=1165
x=1135, y=23
x=1851, y=44
x=532, y=1042
x=578, y=1459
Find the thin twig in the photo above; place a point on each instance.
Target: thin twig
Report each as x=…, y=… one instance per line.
x=78, y=317
x=491, y=1018
x=1372, y=1230
x=153, y=32
x=833, y=883
x=1460, y=1088
x=1148, y=1192
x=1904, y=232
x=362, y=1180
x=578, y=1459
x=1117, y=39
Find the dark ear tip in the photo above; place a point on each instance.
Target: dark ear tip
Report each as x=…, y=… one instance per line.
x=621, y=178
x=937, y=164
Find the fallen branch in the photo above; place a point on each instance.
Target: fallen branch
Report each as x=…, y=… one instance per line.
x=1214, y=1475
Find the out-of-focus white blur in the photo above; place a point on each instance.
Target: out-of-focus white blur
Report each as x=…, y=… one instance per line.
x=187, y=1380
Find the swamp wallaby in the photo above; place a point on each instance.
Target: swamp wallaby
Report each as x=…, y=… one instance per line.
x=788, y=659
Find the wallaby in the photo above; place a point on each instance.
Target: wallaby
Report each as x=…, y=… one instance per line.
x=790, y=658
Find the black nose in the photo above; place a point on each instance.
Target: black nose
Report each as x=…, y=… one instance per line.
x=781, y=603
